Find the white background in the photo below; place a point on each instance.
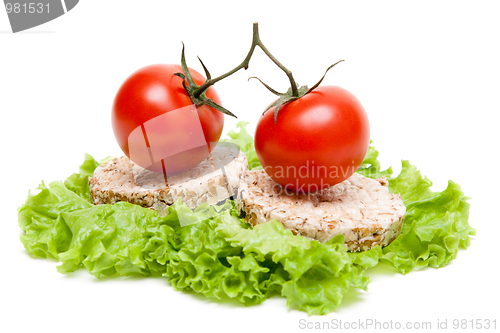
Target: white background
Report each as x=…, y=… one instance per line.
x=427, y=73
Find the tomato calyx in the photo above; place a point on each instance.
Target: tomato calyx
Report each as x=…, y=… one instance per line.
x=291, y=94
x=192, y=88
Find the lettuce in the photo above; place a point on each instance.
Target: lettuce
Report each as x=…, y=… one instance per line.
x=313, y=276
x=436, y=223
x=245, y=142
x=46, y=234
x=212, y=251
x=371, y=166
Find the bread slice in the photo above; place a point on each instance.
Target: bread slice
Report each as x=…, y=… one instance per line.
x=211, y=181
x=360, y=208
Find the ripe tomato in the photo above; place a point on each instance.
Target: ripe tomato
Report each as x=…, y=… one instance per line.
x=318, y=140
x=156, y=123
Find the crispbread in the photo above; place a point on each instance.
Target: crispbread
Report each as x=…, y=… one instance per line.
x=120, y=179
x=360, y=208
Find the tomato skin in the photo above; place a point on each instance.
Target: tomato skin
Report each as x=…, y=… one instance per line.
x=153, y=91
x=318, y=140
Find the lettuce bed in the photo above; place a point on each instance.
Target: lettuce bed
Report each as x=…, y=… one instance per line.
x=221, y=256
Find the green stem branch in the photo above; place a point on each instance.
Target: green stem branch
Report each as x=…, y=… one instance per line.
x=255, y=42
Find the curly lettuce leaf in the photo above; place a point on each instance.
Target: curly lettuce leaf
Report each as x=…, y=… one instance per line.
x=245, y=141
x=436, y=223
x=79, y=182
x=207, y=264
x=46, y=234
x=313, y=276
x=435, y=226
x=212, y=251
x=371, y=165
x=223, y=257
x=109, y=240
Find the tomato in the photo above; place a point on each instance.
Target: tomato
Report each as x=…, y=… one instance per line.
x=317, y=141
x=156, y=124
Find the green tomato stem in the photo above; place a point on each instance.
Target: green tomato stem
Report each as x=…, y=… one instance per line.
x=255, y=42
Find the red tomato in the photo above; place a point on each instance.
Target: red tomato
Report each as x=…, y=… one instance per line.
x=155, y=122
x=318, y=140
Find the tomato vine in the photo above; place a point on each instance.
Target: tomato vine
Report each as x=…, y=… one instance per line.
x=197, y=92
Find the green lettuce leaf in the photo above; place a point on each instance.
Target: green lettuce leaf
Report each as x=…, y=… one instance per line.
x=45, y=232
x=313, y=276
x=224, y=258
x=436, y=223
x=212, y=251
x=435, y=226
x=109, y=240
x=79, y=182
x=245, y=142
x=371, y=166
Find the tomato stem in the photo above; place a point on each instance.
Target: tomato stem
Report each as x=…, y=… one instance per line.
x=255, y=42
